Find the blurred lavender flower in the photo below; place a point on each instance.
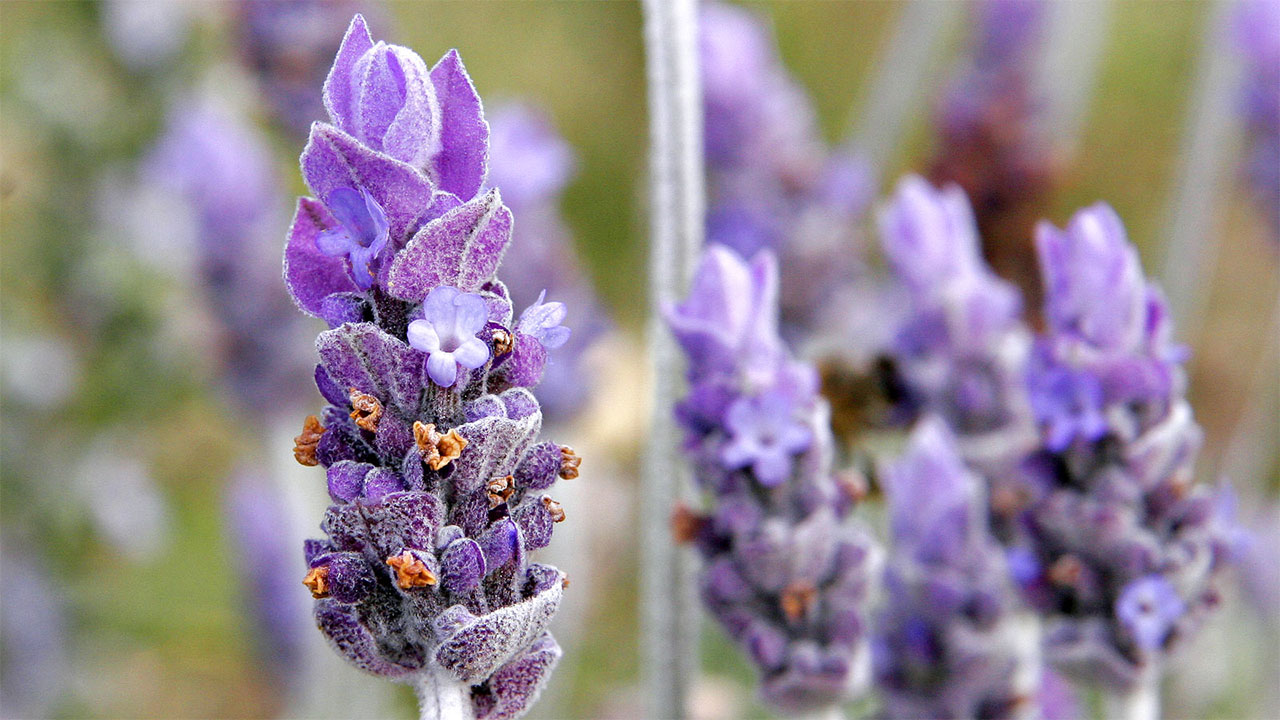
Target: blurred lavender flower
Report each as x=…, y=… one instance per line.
x=289, y=45
x=34, y=666
x=146, y=35
x=532, y=164
x=772, y=183
x=961, y=350
x=991, y=143
x=1257, y=31
x=1125, y=550
x=430, y=435
x=221, y=166
x=253, y=509
x=787, y=567
x=947, y=642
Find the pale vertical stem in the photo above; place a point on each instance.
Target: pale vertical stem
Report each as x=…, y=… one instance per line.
x=906, y=78
x=442, y=697
x=1252, y=447
x=1025, y=631
x=1203, y=161
x=1142, y=703
x=1074, y=37
x=669, y=632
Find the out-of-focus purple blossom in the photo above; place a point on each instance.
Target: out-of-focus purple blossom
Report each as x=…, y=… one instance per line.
x=772, y=182
x=990, y=140
x=1147, y=609
x=221, y=166
x=532, y=164
x=437, y=476
x=946, y=642
x=254, y=513
x=448, y=331
x=787, y=567
x=1057, y=700
x=289, y=47
x=147, y=35
x=1257, y=34
x=1128, y=548
x=961, y=349
x=34, y=664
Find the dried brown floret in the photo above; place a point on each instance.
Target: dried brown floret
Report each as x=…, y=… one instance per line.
x=686, y=524
x=797, y=598
x=502, y=342
x=365, y=410
x=499, y=489
x=410, y=571
x=569, y=462
x=317, y=581
x=304, y=445
x=437, y=450
x=553, y=507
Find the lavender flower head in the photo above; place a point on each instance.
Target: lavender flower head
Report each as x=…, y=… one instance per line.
x=532, y=164
x=946, y=643
x=772, y=183
x=786, y=566
x=1124, y=550
x=961, y=350
x=430, y=438
x=1257, y=34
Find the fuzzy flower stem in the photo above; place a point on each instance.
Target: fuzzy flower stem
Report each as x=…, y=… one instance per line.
x=1203, y=173
x=1141, y=703
x=676, y=197
x=441, y=697
x=901, y=86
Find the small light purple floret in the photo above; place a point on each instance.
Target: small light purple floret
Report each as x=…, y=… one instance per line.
x=765, y=436
x=543, y=321
x=448, y=331
x=1148, y=608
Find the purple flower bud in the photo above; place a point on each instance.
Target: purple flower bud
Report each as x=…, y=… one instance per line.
x=448, y=331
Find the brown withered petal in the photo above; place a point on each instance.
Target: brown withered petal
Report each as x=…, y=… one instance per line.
x=1066, y=570
x=500, y=489
x=365, y=410
x=317, y=581
x=304, y=445
x=437, y=450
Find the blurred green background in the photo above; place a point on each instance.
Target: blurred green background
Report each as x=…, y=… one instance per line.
x=104, y=338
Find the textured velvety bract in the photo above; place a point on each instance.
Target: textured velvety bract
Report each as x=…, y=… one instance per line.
x=462, y=249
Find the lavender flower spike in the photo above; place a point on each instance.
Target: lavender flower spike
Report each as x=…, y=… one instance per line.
x=1124, y=549
x=961, y=350
x=430, y=436
x=947, y=641
x=787, y=568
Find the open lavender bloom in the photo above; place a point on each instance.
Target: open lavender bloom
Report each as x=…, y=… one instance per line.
x=947, y=640
x=430, y=438
x=961, y=351
x=1124, y=549
x=990, y=139
x=787, y=567
x=532, y=164
x=1257, y=34
x=772, y=183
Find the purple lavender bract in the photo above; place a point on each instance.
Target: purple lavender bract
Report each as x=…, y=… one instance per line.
x=787, y=567
x=430, y=438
